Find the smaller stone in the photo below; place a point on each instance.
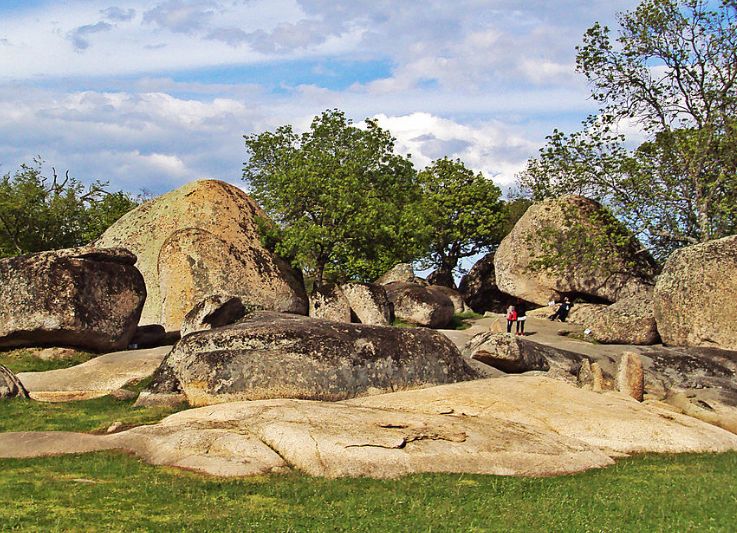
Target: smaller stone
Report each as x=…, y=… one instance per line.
x=585, y=375
x=508, y=354
x=599, y=383
x=157, y=399
x=630, y=376
x=459, y=306
x=10, y=385
x=419, y=305
x=215, y=311
x=402, y=272
x=123, y=394
x=114, y=427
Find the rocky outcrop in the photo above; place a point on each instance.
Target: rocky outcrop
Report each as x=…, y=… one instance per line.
x=607, y=421
x=459, y=306
x=10, y=385
x=479, y=290
x=571, y=246
x=329, y=302
x=417, y=305
x=400, y=273
x=696, y=296
x=214, y=312
x=273, y=355
x=518, y=425
x=199, y=240
x=369, y=303
x=82, y=297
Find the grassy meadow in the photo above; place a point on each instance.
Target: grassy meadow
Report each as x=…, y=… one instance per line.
x=115, y=492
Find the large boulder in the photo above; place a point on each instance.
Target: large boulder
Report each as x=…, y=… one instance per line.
x=83, y=297
x=10, y=385
x=274, y=355
x=369, y=303
x=594, y=256
x=516, y=355
x=329, y=302
x=479, y=290
x=628, y=321
x=199, y=240
x=696, y=296
x=416, y=304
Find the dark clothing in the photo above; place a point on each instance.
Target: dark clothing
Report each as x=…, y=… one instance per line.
x=562, y=312
x=509, y=325
x=521, y=316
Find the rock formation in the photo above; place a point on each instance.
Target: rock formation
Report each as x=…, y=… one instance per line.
x=605, y=271
x=479, y=290
x=419, y=305
x=199, y=240
x=83, y=297
x=369, y=303
x=329, y=302
x=273, y=355
x=696, y=296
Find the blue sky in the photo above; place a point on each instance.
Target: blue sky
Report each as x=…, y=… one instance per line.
x=152, y=94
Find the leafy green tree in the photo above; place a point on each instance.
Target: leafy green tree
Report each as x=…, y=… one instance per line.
x=39, y=213
x=344, y=205
x=464, y=212
x=671, y=69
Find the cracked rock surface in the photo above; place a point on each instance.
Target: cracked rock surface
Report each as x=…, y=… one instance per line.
x=521, y=425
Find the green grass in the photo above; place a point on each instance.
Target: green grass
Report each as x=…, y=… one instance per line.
x=402, y=324
x=23, y=360
x=86, y=416
x=460, y=320
x=114, y=492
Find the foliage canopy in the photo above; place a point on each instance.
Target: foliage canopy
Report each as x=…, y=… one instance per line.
x=38, y=213
x=464, y=210
x=344, y=204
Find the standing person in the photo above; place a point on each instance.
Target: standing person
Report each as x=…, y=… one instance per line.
x=563, y=310
x=521, y=309
x=511, y=318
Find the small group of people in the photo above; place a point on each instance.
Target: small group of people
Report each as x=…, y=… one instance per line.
x=517, y=314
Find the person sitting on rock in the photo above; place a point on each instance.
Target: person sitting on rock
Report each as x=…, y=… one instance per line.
x=511, y=318
x=563, y=310
x=521, y=309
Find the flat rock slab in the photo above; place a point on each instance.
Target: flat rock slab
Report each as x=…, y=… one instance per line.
x=610, y=421
x=94, y=378
x=521, y=425
x=328, y=439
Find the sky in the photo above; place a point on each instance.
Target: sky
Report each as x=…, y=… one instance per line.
x=149, y=95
